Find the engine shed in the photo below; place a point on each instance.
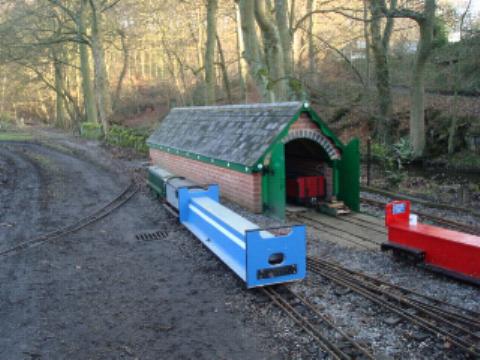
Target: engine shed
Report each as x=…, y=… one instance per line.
x=253, y=150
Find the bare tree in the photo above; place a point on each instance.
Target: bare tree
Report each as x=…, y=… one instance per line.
x=426, y=22
x=210, y=51
x=380, y=48
x=98, y=51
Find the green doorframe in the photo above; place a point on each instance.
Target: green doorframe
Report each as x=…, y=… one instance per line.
x=336, y=178
x=349, y=175
x=273, y=182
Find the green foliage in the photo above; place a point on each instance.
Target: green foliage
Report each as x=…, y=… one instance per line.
x=14, y=136
x=129, y=138
x=379, y=152
x=91, y=130
x=440, y=32
x=295, y=85
x=6, y=121
x=403, y=151
x=393, y=158
x=463, y=161
x=6, y=117
x=263, y=72
x=5, y=126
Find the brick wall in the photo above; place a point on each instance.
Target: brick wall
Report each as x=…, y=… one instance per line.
x=304, y=123
x=244, y=189
x=304, y=166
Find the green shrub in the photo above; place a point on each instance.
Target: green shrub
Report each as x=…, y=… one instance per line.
x=6, y=121
x=130, y=138
x=379, y=152
x=91, y=130
x=403, y=151
x=392, y=159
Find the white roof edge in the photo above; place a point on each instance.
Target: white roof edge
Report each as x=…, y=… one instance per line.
x=242, y=106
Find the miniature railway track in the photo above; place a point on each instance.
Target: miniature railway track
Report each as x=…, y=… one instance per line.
x=364, y=223
x=459, y=326
x=349, y=236
x=311, y=320
x=99, y=214
x=449, y=223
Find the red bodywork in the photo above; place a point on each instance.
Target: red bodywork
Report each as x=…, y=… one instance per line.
x=305, y=188
x=451, y=251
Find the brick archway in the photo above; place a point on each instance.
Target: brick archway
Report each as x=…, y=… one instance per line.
x=316, y=136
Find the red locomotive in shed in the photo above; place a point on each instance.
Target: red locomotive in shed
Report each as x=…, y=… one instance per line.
x=306, y=189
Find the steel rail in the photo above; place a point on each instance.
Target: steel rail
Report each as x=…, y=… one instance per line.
x=97, y=215
x=410, y=292
x=312, y=224
x=363, y=238
x=415, y=319
x=363, y=223
x=380, y=298
x=355, y=344
x=301, y=320
x=434, y=312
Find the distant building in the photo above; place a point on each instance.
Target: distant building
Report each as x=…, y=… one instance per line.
x=355, y=50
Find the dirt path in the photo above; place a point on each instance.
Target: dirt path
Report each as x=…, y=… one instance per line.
x=100, y=293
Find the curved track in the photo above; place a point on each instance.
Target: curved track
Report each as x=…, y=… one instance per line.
x=99, y=214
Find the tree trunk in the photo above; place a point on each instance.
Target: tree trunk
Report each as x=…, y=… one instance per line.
x=273, y=51
x=123, y=73
x=210, y=52
x=200, y=52
x=4, y=87
x=453, y=126
x=417, y=116
x=311, y=46
x=223, y=67
x=380, y=46
x=101, y=76
x=285, y=35
x=424, y=49
x=59, y=98
x=367, y=45
x=242, y=64
x=452, y=131
x=88, y=92
x=257, y=67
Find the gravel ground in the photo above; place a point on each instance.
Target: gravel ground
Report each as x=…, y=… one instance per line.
x=100, y=293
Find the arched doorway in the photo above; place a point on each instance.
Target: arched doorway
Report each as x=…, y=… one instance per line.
x=310, y=167
x=308, y=152
x=308, y=170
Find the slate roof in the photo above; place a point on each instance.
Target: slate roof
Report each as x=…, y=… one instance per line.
x=234, y=133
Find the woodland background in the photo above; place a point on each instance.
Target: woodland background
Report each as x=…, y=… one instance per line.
x=404, y=72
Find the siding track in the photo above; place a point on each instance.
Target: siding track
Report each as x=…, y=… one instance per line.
x=99, y=214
